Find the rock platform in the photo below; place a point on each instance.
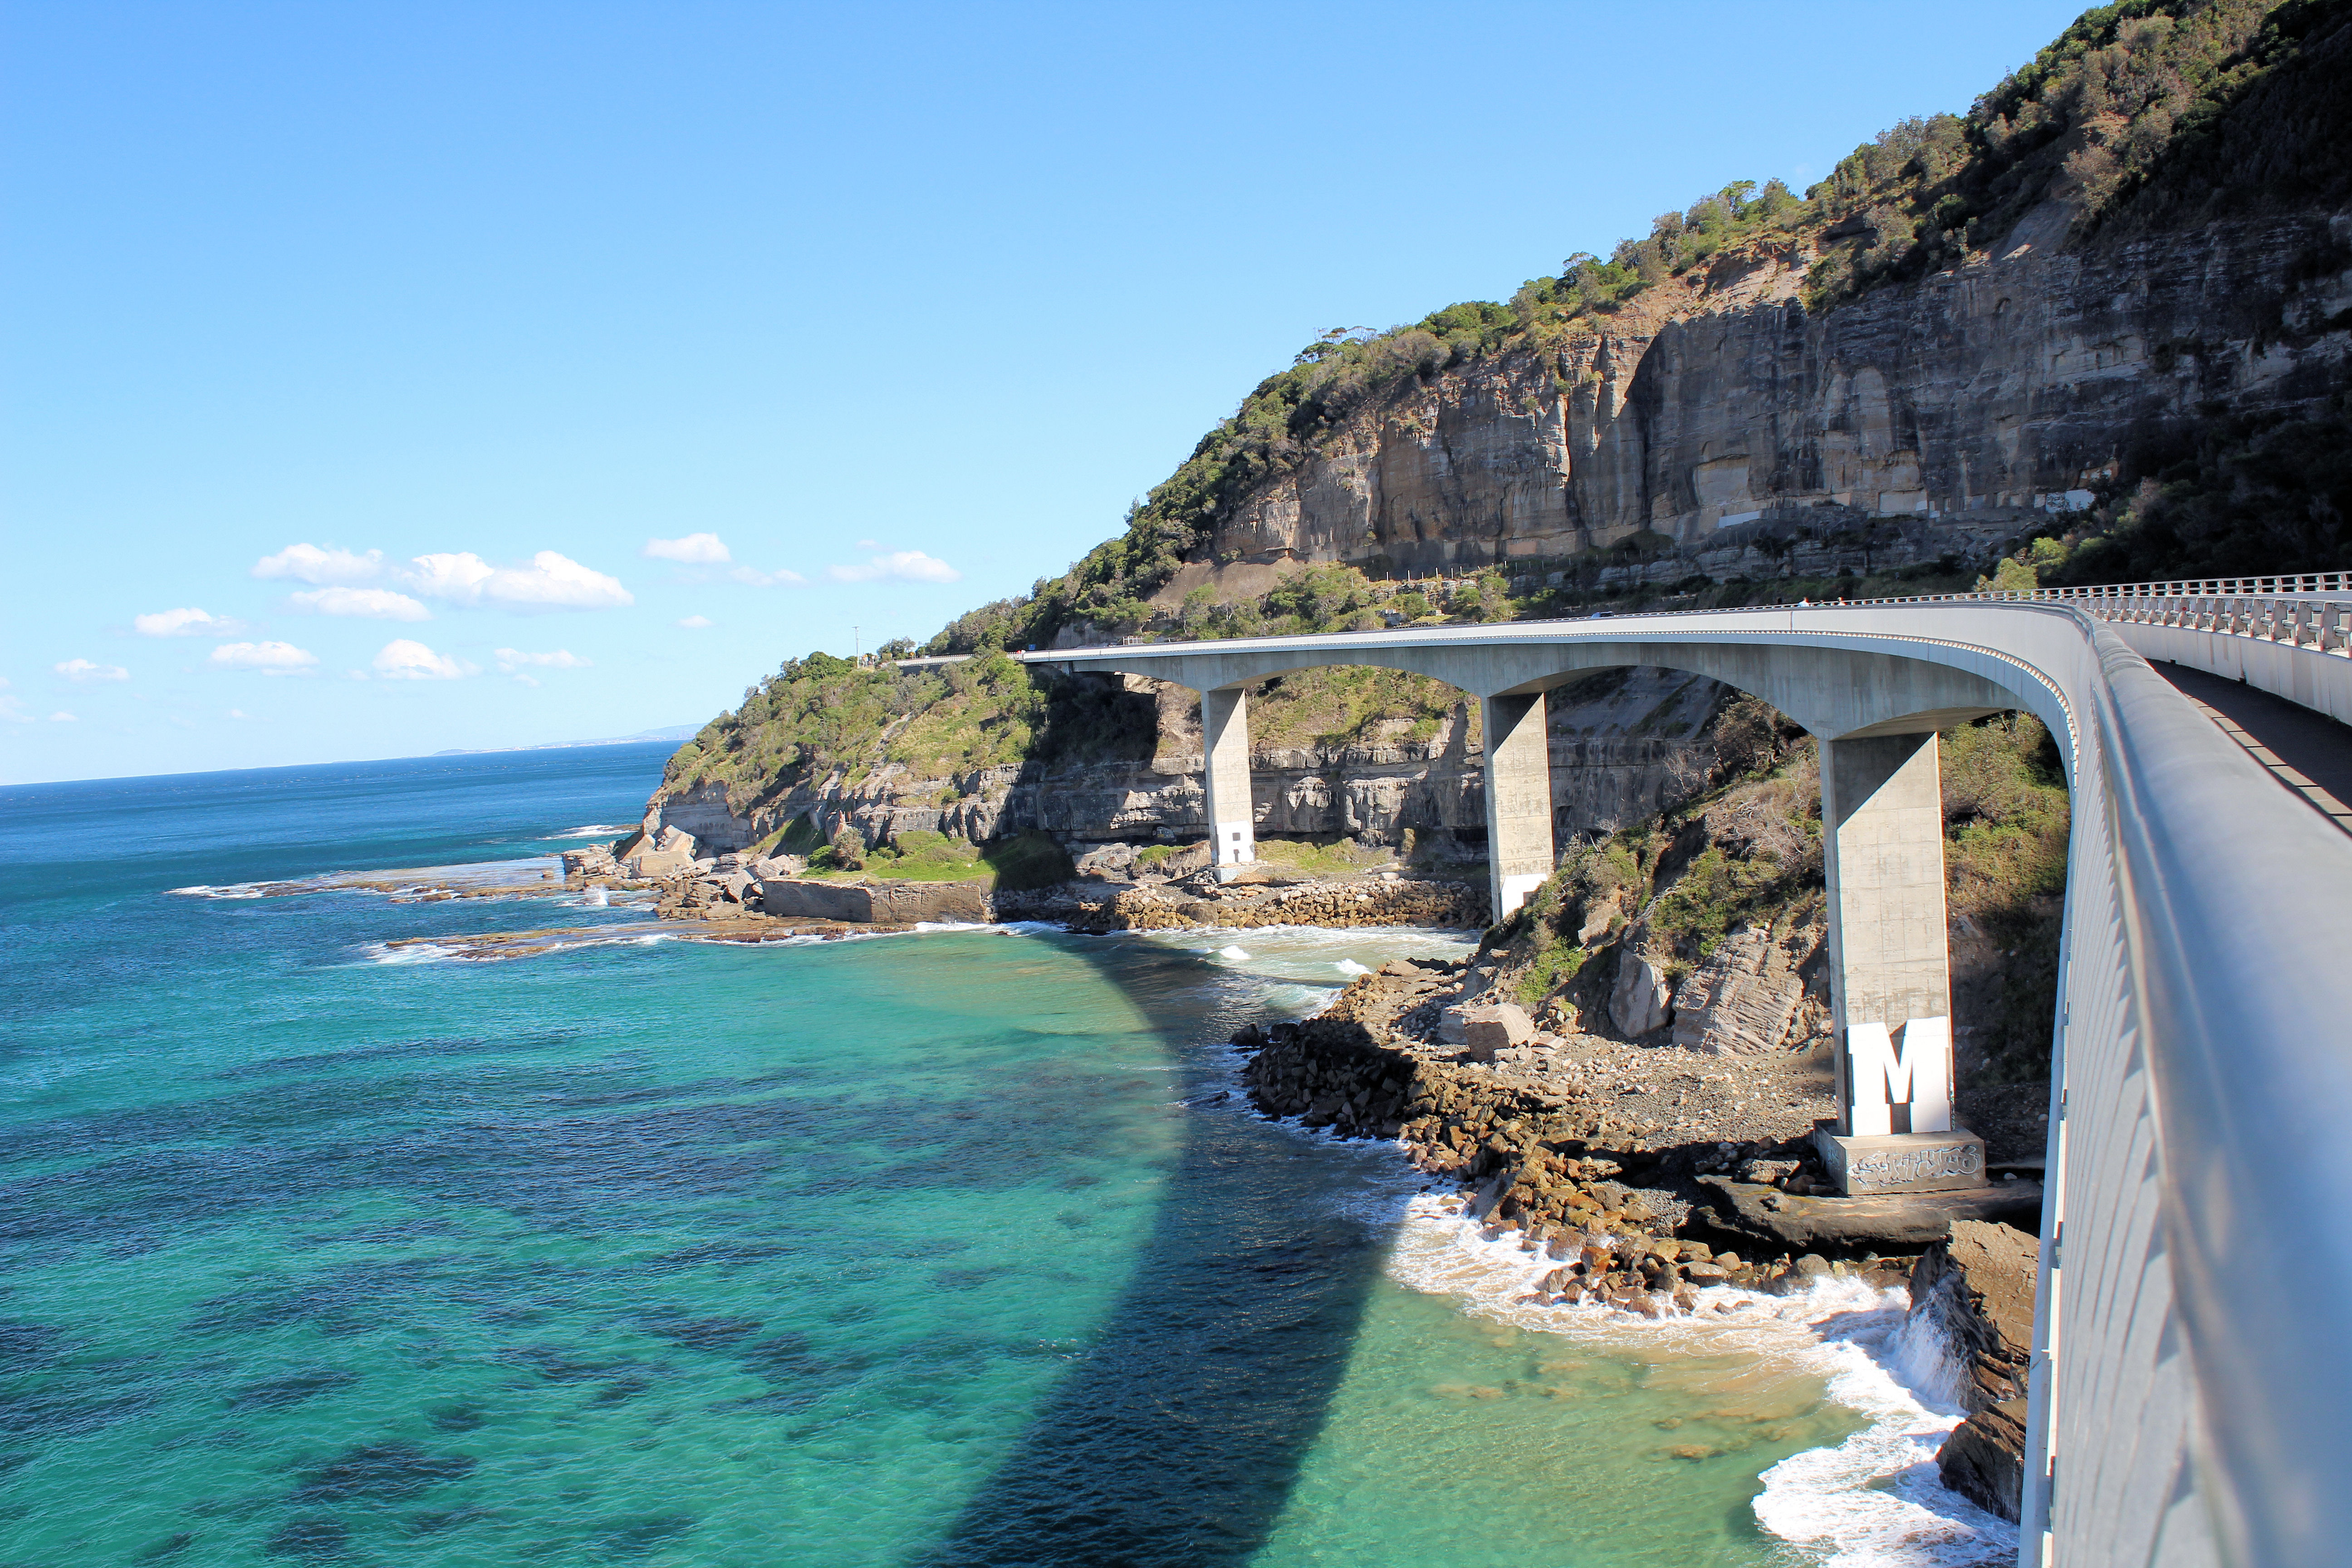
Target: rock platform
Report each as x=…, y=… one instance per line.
x=1901, y=1219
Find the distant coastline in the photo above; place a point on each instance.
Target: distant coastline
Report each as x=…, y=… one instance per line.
x=674, y=734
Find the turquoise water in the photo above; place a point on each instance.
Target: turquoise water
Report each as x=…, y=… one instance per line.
x=946, y=1248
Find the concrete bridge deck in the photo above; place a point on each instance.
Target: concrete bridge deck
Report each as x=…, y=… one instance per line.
x=2191, y=1371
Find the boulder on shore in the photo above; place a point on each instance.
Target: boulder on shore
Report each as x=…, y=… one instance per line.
x=1485, y=1030
x=666, y=854
x=1641, y=1000
x=1744, y=1000
x=1976, y=1288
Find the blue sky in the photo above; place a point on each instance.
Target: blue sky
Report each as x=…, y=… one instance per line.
x=356, y=357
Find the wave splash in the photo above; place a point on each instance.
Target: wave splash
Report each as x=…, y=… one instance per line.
x=1873, y=1500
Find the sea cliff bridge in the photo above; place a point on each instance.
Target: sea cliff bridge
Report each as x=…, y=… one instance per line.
x=2192, y=1361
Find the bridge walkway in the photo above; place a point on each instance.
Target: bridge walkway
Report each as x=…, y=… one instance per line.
x=2306, y=751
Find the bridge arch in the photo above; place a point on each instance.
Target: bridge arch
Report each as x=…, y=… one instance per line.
x=1874, y=715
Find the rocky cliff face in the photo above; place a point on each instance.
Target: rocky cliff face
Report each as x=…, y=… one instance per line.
x=1625, y=744
x=1950, y=409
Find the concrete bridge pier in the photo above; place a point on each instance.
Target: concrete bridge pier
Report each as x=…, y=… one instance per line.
x=1882, y=849
x=1225, y=736
x=1890, y=968
x=1518, y=800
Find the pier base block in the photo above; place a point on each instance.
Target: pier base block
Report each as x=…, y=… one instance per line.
x=1902, y=1161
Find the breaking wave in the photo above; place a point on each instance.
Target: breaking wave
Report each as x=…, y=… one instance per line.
x=1873, y=1500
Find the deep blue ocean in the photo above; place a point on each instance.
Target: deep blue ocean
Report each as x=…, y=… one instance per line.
x=957, y=1248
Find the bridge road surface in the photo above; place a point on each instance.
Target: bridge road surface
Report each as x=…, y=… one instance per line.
x=2307, y=752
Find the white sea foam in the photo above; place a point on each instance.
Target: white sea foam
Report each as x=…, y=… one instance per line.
x=1234, y=954
x=597, y=830
x=403, y=882
x=1295, y=1001
x=1348, y=966
x=1299, y=952
x=411, y=953
x=1872, y=1502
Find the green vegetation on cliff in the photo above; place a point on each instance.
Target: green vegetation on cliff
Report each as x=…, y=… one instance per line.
x=1014, y=865
x=2142, y=113
x=820, y=715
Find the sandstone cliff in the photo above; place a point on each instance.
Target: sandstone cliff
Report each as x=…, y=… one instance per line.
x=1948, y=412
x=1626, y=745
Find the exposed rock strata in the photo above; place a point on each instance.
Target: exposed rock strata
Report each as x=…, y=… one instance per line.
x=1782, y=1217
x=1625, y=744
x=1970, y=396
x=1977, y=1291
x=741, y=890
x=1984, y=1458
x=905, y=904
x=1978, y=1287
x=1746, y=998
x=1368, y=902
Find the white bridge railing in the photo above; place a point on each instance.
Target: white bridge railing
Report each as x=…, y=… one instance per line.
x=2313, y=611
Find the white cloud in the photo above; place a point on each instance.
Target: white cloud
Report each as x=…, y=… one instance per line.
x=694, y=550
x=898, y=566
x=696, y=623
x=187, y=623
x=373, y=603
x=311, y=565
x=869, y=545
x=82, y=669
x=238, y=713
x=779, y=578
x=12, y=711
x=62, y=717
x=402, y=659
x=552, y=582
x=511, y=660
x=270, y=658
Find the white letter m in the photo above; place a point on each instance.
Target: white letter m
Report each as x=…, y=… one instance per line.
x=1916, y=1075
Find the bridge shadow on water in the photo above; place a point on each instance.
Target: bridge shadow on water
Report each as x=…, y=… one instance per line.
x=1177, y=1438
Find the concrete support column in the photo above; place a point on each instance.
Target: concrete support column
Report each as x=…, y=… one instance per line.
x=1890, y=962
x=1225, y=735
x=1518, y=800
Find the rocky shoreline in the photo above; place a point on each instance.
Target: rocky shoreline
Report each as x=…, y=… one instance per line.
x=1648, y=1173
x=1181, y=894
